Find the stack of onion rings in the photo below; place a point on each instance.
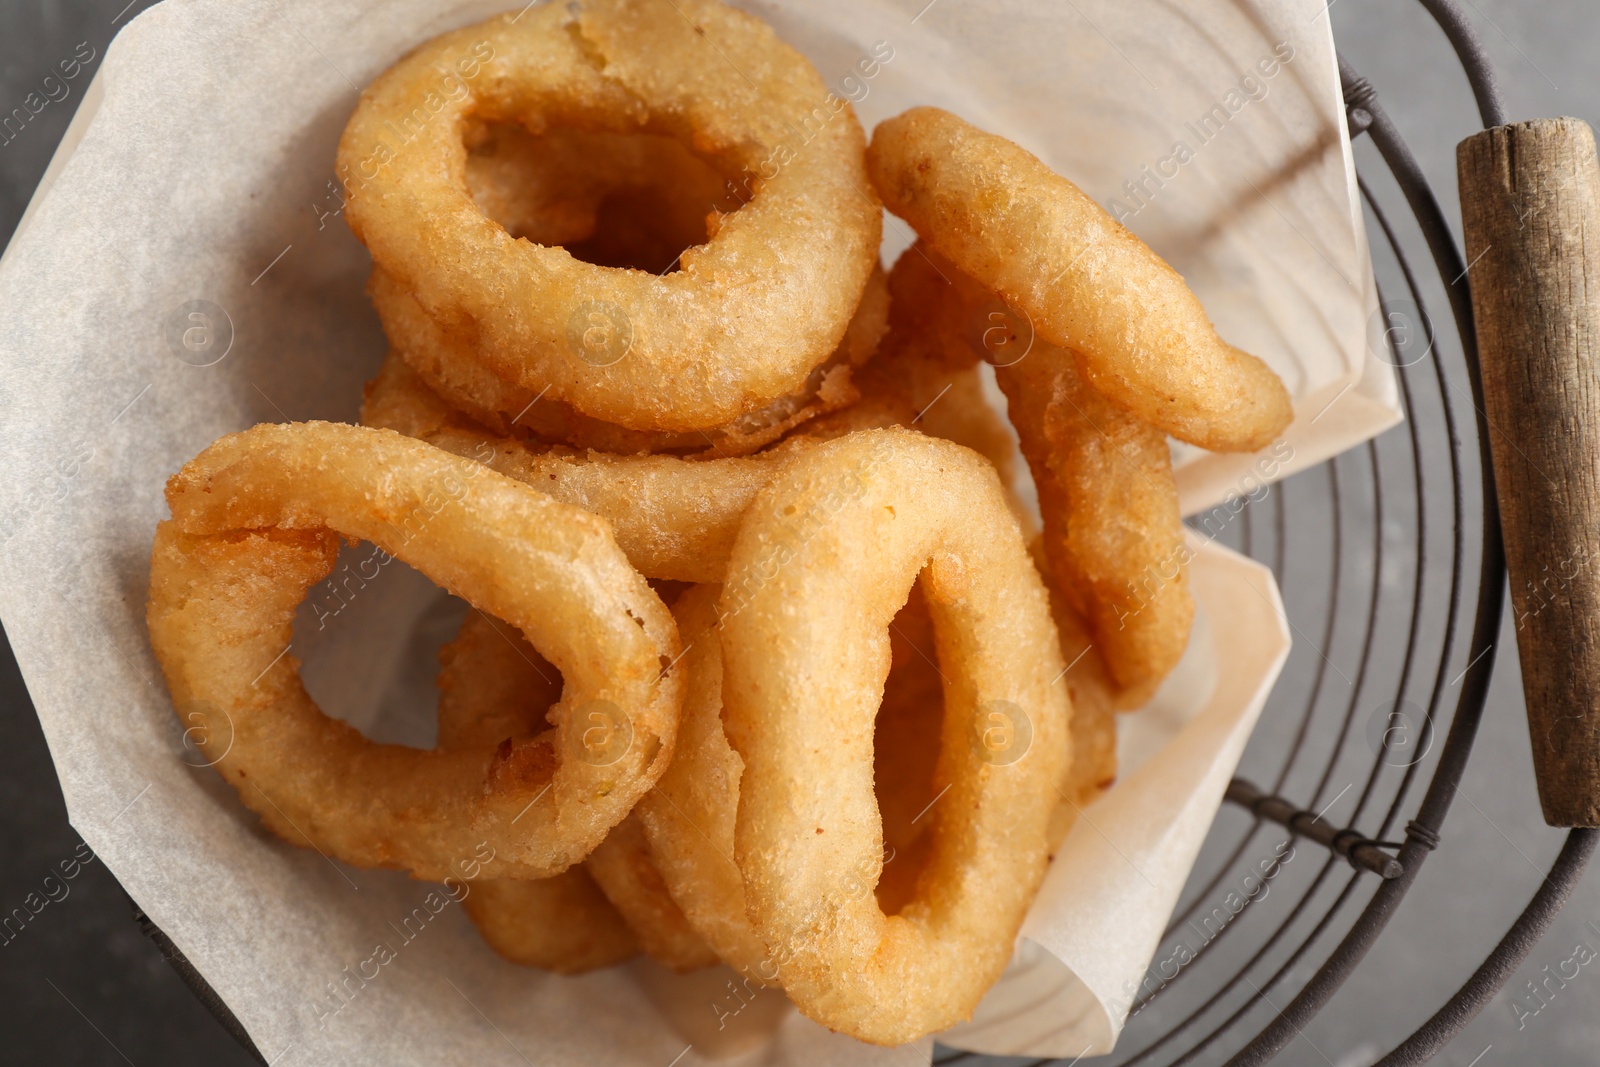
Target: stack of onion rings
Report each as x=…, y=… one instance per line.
x=640, y=349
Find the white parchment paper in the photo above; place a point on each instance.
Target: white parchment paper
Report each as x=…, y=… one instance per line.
x=183, y=273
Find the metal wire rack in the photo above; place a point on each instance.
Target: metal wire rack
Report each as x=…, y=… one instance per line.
x=1421, y=611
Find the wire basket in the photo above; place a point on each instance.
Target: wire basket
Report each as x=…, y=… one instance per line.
x=1422, y=612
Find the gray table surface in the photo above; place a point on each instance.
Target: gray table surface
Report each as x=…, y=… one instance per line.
x=83, y=986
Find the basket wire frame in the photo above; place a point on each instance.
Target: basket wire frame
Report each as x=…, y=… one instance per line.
x=1248, y=1009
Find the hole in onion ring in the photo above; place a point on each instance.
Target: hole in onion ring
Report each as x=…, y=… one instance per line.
x=369, y=649
x=905, y=747
x=368, y=638
x=634, y=201
x=257, y=519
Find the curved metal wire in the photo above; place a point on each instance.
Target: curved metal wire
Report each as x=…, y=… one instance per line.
x=1334, y=749
x=1474, y=60
x=1507, y=956
x=1422, y=834
x=1313, y=699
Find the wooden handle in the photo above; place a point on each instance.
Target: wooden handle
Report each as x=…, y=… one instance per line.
x=1530, y=206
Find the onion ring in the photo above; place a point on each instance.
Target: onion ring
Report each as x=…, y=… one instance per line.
x=562, y=923
x=618, y=200
x=1112, y=530
x=256, y=520
x=1088, y=285
x=804, y=638
x=442, y=356
x=689, y=815
x=675, y=518
x=748, y=315
x=1094, y=718
x=926, y=362
x=1113, y=534
x=625, y=868
x=494, y=686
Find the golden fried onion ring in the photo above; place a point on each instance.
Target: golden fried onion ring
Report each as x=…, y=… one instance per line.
x=624, y=865
x=689, y=815
x=1094, y=723
x=494, y=686
x=748, y=315
x=928, y=361
x=256, y=521
x=442, y=355
x=1087, y=284
x=675, y=518
x=823, y=562
x=620, y=200
x=1112, y=531
x=562, y=923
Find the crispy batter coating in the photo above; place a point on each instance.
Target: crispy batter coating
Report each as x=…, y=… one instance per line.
x=493, y=687
x=1088, y=285
x=676, y=518
x=441, y=352
x=927, y=363
x=824, y=561
x=256, y=521
x=562, y=923
x=749, y=313
x=626, y=871
x=618, y=200
x=689, y=816
x=1094, y=722
x=1111, y=525
x=1112, y=531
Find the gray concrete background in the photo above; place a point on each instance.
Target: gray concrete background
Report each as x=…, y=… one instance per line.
x=83, y=986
